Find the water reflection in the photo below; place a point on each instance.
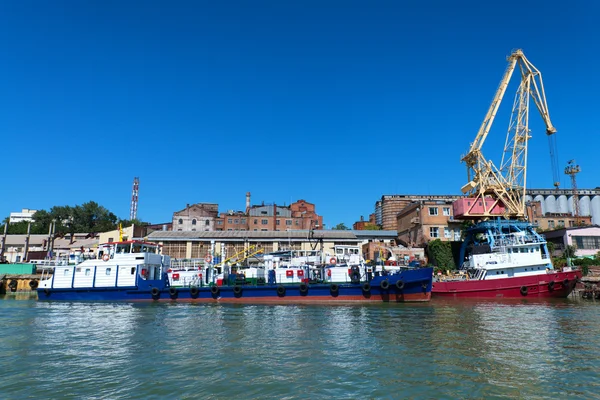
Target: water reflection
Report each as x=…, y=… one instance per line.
x=444, y=349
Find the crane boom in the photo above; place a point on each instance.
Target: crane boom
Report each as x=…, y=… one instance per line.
x=501, y=192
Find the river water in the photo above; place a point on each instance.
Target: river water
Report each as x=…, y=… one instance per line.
x=445, y=349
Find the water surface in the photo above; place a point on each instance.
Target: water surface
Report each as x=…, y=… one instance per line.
x=442, y=349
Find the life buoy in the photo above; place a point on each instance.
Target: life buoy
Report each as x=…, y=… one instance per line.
x=173, y=293
x=105, y=257
x=355, y=277
x=524, y=290
x=237, y=290
x=214, y=290
x=13, y=284
x=399, y=284
x=551, y=285
x=332, y=260
x=194, y=292
x=566, y=282
x=33, y=284
x=366, y=287
x=155, y=292
x=334, y=289
x=208, y=258
x=303, y=288
x=280, y=291
x=385, y=284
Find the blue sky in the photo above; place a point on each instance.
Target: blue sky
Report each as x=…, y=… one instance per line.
x=334, y=102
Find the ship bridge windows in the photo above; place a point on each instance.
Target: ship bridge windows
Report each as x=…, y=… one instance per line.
x=123, y=248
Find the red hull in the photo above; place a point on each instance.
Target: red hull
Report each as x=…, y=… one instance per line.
x=556, y=284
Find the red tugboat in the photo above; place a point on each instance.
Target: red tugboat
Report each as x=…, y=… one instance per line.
x=502, y=254
x=506, y=259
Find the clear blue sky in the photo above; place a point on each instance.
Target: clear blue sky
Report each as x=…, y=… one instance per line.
x=334, y=102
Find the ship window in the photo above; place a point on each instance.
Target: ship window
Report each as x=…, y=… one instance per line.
x=132, y=270
x=88, y=272
x=502, y=272
x=66, y=272
x=107, y=271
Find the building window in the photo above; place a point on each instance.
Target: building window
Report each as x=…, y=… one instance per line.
x=288, y=222
x=265, y=221
x=571, y=223
x=433, y=211
x=561, y=222
x=193, y=222
x=180, y=221
x=446, y=211
x=447, y=233
x=263, y=213
x=277, y=222
x=255, y=221
x=263, y=230
x=243, y=221
x=587, y=242
x=229, y=220
x=297, y=222
x=236, y=221
x=193, y=229
x=434, y=231
x=207, y=222
x=551, y=224
x=229, y=229
x=219, y=222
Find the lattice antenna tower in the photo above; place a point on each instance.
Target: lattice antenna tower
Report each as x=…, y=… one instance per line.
x=134, y=199
x=572, y=170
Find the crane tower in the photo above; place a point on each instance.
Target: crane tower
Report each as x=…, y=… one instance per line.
x=572, y=170
x=134, y=199
x=500, y=192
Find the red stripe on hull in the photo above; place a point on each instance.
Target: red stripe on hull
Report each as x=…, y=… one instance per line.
x=392, y=298
x=537, y=286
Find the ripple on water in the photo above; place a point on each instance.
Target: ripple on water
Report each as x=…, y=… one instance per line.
x=444, y=349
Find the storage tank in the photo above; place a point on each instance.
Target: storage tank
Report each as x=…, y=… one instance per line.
x=584, y=206
x=542, y=201
x=563, y=204
x=550, y=202
x=596, y=210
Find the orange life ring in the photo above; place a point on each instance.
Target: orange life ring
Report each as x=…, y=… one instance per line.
x=208, y=258
x=105, y=257
x=332, y=260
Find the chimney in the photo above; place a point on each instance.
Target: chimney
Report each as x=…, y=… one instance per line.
x=247, y=201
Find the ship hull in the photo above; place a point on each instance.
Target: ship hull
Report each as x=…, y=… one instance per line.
x=547, y=285
x=416, y=288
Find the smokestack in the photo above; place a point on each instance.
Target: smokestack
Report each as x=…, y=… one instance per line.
x=247, y=201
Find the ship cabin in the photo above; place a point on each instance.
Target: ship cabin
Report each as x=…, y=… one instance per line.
x=119, y=264
x=505, y=253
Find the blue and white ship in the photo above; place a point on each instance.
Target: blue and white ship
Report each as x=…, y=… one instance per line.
x=136, y=271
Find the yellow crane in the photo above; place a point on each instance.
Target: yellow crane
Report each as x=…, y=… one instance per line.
x=493, y=191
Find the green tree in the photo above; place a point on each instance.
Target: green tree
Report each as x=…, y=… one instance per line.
x=440, y=254
x=569, y=251
x=340, y=227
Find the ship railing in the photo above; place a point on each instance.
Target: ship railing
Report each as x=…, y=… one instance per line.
x=187, y=264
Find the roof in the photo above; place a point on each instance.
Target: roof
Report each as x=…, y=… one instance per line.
x=375, y=234
x=562, y=231
x=245, y=235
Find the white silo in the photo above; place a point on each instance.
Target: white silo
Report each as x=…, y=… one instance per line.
x=542, y=201
x=563, y=204
x=550, y=204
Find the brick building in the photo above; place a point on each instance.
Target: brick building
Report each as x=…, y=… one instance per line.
x=427, y=220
